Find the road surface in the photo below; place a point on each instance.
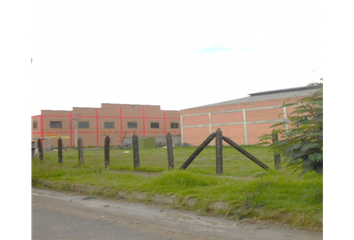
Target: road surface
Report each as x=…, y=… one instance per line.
x=57, y=215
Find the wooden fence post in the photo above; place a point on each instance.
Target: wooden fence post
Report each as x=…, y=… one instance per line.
x=81, y=151
x=40, y=150
x=135, y=141
x=197, y=151
x=60, y=150
x=171, y=162
x=106, y=151
x=277, y=159
x=219, y=155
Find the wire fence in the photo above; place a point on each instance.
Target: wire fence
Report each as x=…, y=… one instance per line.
x=234, y=162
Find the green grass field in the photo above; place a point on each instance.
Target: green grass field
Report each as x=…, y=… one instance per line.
x=253, y=193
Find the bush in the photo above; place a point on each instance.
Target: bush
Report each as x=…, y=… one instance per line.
x=302, y=144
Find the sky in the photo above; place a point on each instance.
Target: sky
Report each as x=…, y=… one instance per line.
x=176, y=54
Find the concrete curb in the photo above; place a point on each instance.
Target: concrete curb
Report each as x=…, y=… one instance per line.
x=136, y=195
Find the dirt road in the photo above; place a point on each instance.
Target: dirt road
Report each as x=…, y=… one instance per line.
x=57, y=215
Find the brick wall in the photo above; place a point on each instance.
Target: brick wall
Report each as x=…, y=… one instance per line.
x=118, y=114
x=244, y=123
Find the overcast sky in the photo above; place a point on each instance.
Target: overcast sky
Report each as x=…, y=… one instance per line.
x=177, y=54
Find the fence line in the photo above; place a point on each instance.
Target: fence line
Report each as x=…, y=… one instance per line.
x=170, y=156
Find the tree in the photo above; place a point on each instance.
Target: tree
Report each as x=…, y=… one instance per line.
x=301, y=145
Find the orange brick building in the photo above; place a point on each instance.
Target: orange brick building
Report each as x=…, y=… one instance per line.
x=243, y=120
x=119, y=121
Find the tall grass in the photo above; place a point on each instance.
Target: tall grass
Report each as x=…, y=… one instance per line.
x=251, y=191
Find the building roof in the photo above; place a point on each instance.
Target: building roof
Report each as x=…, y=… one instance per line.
x=270, y=95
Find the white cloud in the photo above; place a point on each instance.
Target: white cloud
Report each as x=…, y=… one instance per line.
x=214, y=48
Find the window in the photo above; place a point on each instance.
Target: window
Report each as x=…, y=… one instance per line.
x=108, y=124
x=34, y=125
x=84, y=124
x=132, y=124
x=55, y=124
x=155, y=125
x=174, y=125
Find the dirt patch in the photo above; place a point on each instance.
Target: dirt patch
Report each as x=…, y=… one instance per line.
x=170, y=223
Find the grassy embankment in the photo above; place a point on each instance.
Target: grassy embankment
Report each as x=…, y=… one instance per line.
x=250, y=191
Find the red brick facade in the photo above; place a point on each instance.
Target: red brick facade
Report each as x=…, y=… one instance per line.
x=119, y=121
x=242, y=120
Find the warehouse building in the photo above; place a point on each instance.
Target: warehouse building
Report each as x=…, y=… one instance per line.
x=243, y=120
x=119, y=121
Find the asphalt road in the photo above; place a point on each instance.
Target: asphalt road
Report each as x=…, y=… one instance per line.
x=57, y=215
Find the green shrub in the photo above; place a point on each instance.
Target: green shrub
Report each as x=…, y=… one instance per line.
x=301, y=145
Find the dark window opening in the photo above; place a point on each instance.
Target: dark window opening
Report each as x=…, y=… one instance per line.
x=155, y=125
x=108, y=124
x=132, y=125
x=174, y=125
x=55, y=124
x=34, y=124
x=84, y=124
